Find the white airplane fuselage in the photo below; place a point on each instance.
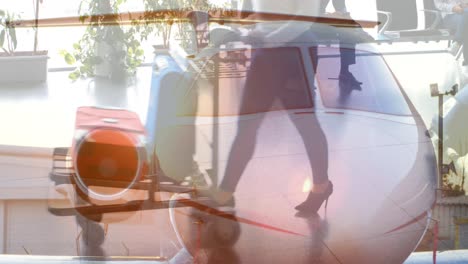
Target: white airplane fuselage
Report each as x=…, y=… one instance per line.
x=381, y=163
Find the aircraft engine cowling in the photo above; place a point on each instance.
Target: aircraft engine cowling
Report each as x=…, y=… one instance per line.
x=108, y=155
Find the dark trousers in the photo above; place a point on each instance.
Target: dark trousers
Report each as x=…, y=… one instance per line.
x=347, y=58
x=268, y=70
x=339, y=5
x=458, y=23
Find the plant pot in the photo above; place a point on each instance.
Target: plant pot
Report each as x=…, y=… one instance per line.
x=23, y=67
x=110, y=68
x=103, y=69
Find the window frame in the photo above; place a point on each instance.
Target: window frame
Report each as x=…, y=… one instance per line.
x=364, y=53
x=308, y=91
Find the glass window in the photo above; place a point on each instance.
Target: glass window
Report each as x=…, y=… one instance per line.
x=368, y=85
x=248, y=81
x=51, y=38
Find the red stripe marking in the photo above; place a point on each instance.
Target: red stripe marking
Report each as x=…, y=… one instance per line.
x=414, y=220
x=304, y=112
x=216, y=212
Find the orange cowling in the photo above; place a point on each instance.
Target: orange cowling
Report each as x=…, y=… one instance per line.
x=107, y=154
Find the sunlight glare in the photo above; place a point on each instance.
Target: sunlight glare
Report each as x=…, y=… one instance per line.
x=307, y=186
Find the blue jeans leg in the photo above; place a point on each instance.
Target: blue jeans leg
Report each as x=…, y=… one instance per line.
x=454, y=22
x=458, y=23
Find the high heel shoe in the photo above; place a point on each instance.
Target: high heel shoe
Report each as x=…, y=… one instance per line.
x=347, y=81
x=315, y=200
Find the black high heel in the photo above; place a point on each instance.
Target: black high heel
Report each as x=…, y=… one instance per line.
x=348, y=82
x=315, y=200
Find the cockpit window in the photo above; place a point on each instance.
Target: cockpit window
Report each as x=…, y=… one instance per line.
x=247, y=81
x=366, y=84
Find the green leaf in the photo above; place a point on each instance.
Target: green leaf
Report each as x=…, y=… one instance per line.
x=83, y=18
x=2, y=13
x=76, y=46
x=70, y=59
x=139, y=52
x=74, y=75
x=2, y=38
x=86, y=69
x=63, y=53
x=119, y=2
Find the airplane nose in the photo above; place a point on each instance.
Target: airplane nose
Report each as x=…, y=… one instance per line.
x=404, y=214
x=384, y=176
x=415, y=193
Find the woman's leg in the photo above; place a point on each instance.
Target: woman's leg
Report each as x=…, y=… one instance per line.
x=340, y=6
x=315, y=143
x=347, y=58
x=463, y=29
x=255, y=96
x=454, y=22
x=241, y=153
x=323, y=6
x=316, y=146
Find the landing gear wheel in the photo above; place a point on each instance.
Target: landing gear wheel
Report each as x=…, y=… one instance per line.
x=215, y=231
x=225, y=232
x=203, y=230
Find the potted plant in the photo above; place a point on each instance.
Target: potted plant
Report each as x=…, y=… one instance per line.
x=151, y=20
x=19, y=66
x=183, y=31
x=106, y=49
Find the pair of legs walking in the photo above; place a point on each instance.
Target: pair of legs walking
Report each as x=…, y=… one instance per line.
x=458, y=23
x=266, y=82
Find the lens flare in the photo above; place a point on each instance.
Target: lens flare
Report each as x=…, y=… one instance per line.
x=307, y=186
